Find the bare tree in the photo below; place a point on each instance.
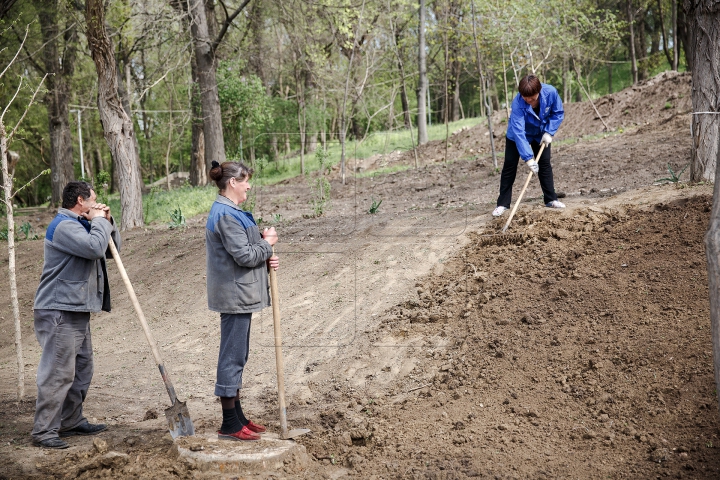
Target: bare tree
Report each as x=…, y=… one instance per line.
x=633, y=55
x=483, y=87
x=207, y=36
x=8, y=195
x=422, y=79
x=705, y=125
x=198, y=172
x=60, y=64
x=207, y=80
x=117, y=125
x=703, y=20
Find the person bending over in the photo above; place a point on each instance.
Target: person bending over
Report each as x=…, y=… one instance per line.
x=537, y=113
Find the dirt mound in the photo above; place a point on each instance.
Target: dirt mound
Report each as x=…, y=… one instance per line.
x=583, y=352
x=656, y=101
x=653, y=101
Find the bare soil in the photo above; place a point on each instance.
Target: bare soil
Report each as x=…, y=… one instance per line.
x=413, y=349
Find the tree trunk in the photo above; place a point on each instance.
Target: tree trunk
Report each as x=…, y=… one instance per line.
x=446, y=112
x=457, y=107
x=686, y=36
x=312, y=143
x=169, y=145
x=508, y=99
x=483, y=87
x=7, y=189
x=633, y=56
x=664, y=33
x=704, y=22
x=643, y=71
x=274, y=145
x=405, y=104
x=676, y=47
x=207, y=81
x=99, y=163
x=58, y=96
x=198, y=170
x=124, y=94
x=117, y=126
x=422, y=79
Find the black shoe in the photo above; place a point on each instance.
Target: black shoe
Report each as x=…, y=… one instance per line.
x=84, y=429
x=54, y=442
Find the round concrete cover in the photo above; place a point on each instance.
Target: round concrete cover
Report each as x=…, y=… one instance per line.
x=208, y=453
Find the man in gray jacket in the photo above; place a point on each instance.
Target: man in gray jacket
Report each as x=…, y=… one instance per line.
x=73, y=284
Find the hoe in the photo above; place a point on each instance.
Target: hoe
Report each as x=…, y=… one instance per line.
x=503, y=238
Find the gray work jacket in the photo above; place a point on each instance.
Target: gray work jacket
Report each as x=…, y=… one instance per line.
x=237, y=278
x=74, y=276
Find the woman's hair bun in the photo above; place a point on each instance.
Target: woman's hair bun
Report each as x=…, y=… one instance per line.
x=216, y=172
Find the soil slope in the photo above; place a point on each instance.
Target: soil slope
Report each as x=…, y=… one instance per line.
x=413, y=349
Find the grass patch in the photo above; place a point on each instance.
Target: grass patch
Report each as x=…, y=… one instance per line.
x=376, y=143
x=158, y=206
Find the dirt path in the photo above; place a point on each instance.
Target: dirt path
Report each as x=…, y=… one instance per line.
x=411, y=351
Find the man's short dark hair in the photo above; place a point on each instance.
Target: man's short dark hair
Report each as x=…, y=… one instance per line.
x=72, y=191
x=529, y=86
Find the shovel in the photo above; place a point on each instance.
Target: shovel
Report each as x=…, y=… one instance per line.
x=279, y=362
x=504, y=238
x=177, y=416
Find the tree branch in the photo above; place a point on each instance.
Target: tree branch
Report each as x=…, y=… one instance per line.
x=27, y=29
x=25, y=49
x=44, y=172
x=12, y=99
x=227, y=23
x=27, y=108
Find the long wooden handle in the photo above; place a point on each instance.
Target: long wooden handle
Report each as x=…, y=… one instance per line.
x=279, y=362
x=141, y=316
x=522, y=192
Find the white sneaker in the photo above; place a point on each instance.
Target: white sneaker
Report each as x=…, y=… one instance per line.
x=500, y=210
x=555, y=204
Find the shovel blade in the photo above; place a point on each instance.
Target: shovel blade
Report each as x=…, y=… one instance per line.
x=179, y=422
x=296, y=433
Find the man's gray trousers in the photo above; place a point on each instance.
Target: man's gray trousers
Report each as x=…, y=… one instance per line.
x=64, y=372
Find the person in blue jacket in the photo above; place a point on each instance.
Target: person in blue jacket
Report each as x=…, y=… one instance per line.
x=537, y=113
x=238, y=258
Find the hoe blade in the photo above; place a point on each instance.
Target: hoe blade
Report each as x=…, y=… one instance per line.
x=179, y=422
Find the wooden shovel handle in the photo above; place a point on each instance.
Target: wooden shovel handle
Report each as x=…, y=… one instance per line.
x=522, y=192
x=279, y=362
x=141, y=316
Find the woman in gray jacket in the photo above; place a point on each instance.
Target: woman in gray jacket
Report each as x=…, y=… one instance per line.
x=238, y=257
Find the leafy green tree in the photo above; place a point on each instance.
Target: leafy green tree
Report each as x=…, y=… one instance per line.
x=247, y=109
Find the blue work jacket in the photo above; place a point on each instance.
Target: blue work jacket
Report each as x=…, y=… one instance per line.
x=525, y=126
x=237, y=277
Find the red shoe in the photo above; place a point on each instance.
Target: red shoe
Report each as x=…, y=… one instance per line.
x=254, y=427
x=244, y=434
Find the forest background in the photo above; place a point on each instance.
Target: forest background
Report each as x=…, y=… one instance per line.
x=294, y=77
